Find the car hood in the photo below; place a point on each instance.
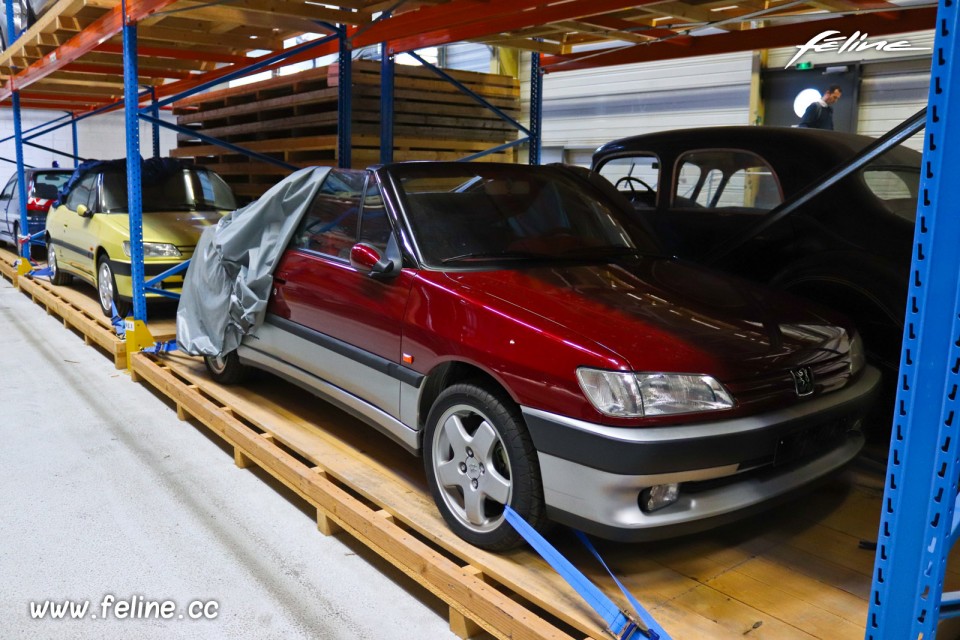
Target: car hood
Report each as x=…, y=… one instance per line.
x=658, y=314
x=180, y=228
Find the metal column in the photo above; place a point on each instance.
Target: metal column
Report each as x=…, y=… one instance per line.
x=536, y=107
x=76, y=147
x=155, y=111
x=918, y=526
x=134, y=195
x=344, y=101
x=386, y=104
x=21, y=176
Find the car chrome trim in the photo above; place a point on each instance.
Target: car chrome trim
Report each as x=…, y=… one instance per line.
x=606, y=504
x=388, y=425
x=668, y=449
x=377, y=363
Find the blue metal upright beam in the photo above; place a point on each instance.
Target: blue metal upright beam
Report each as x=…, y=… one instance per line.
x=386, y=105
x=344, y=101
x=155, y=112
x=76, y=146
x=134, y=193
x=536, y=107
x=917, y=525
x=21, y=175
x=11, y=34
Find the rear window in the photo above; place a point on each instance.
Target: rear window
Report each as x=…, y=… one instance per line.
x=55, y=178
x=896, y=186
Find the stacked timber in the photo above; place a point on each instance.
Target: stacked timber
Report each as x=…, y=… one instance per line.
x=293, y=118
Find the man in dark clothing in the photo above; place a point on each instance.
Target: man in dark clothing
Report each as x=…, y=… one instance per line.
x=819, y=115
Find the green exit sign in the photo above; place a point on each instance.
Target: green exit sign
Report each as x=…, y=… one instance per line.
x=805, y=65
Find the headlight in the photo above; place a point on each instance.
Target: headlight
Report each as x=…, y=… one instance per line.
x=154, y=250
x=633, y=395
x=858, y=356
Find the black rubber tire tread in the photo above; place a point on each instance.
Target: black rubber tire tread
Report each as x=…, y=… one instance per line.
x=234, y=372
x=123, y=306
x=58, y=277
x=527, y=493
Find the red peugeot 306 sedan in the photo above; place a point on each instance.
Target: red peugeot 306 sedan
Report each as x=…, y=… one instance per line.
x=519, y=328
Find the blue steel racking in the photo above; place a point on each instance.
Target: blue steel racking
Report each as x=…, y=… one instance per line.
x=919, y=518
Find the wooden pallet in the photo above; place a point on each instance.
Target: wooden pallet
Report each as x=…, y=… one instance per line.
x=79, y=310
x=294, y=119
x=797, y=572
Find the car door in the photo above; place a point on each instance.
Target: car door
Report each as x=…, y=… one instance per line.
x=717, y=196
x=6, y=198
x=349, y=323
x=70, y=231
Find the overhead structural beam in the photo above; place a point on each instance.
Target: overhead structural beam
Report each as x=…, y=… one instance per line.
x=431, y=17
x=482, y=26
x=876, y=24
x=101, y=30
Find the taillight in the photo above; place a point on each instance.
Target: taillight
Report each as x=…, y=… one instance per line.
x=40, y=205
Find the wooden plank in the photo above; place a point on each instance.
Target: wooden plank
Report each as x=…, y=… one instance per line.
x=491, y=609
x=258, y=107
x=319, y=74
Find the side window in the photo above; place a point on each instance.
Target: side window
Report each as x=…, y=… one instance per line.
x=635, y=177
x=726, y=179
x=8, y=190
x=81, y=193
x=374, y=225
x=330, y=225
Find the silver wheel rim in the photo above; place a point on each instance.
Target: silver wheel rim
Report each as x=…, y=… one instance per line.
x=52, y=259
x=471, y=468
x=105, y=286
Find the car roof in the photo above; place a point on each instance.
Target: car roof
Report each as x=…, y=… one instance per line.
x=820, y=146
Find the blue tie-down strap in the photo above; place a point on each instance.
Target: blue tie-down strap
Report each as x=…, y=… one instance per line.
x=46, y=272
x=619, y=624
x=161, y=348
x=117, y=321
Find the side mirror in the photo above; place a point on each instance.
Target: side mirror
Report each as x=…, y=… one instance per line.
x=47, y=191
x=83, y=212
x=366, y=259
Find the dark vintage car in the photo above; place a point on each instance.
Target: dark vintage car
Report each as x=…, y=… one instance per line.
x=520, y=330
x=848, y=249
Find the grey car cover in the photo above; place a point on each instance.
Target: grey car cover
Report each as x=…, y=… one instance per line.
x=227, y=286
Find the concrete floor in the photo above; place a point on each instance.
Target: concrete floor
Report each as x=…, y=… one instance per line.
x=104, y=492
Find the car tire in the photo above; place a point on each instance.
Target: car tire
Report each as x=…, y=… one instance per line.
x=16, y=238
x=226, y=369
x=57, y=276
x=107, y=289
x=478, y=456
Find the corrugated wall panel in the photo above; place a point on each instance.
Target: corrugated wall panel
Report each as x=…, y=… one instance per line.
x=891, y=92
x=584, y=109
x=102, y=137
x=468, y=56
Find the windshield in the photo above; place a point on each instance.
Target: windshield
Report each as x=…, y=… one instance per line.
x=185, y=189
x=476, y=212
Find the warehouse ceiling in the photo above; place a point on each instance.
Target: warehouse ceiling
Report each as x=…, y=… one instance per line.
x=72, y=59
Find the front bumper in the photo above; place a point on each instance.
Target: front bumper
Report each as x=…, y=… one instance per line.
x=593, y=474
x=152, y=268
